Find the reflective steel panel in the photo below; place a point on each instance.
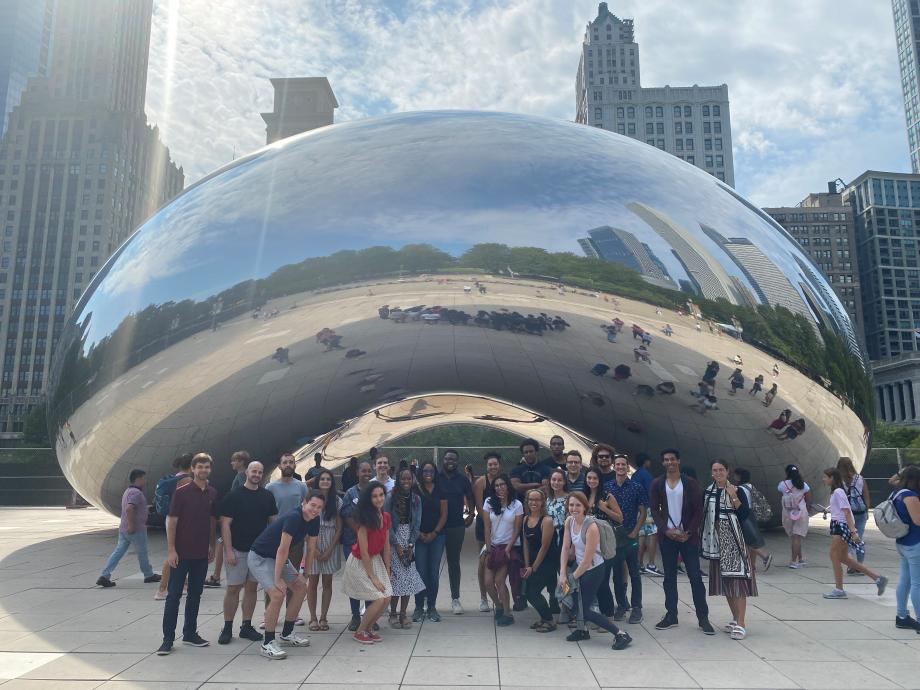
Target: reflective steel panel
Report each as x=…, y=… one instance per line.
x=378, y=277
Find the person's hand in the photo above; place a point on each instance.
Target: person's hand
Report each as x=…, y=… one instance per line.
x=324, y=556
x=508, y=551
x=634, y=534
x=230, y=557
x=281, y=585
x=426, y=537
x=731, y=490
x=527, y=572
x=172, y=558
x=468, y=520
x=399, y=551
x=211, y=554
x=562, y=580
x=857, y=538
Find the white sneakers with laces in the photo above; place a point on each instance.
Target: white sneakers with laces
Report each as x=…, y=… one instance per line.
x=455, y=607
x=295, y=640
x=484, y=605
x=272, y=650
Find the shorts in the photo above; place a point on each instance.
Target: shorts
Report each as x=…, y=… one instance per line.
x=262, y=570
x=649, y=528
x=238, y=574
x=480, y=529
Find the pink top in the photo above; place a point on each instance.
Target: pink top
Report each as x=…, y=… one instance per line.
x=838, y=504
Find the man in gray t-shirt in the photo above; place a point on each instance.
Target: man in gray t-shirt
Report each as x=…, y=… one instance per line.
x=288, y=492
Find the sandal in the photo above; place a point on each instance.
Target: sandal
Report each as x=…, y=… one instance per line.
x=313, y=626
x=404, y=621
x=738, y=633
x=323, y=624
x=394, y=620
x=536, y=625
x=546, y=627
x=729, y=627
x=573, y=624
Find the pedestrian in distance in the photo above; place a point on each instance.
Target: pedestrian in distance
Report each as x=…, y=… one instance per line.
x=756, y=544
x=796, y=497
x=132, y=531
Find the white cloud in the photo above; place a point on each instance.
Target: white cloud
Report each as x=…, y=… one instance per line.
x=814, y=87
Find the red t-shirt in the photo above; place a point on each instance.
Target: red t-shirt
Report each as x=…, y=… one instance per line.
x=376, y=538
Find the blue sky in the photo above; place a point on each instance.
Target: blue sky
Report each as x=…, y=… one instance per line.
x=814, y=86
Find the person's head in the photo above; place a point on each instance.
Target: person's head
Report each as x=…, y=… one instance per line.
x=536, y=502
x=373, y=453
x=786, y=413
x=450, y=460
x=365, y=473
x=557, y=447
x=529, y=448
x=742, y=475
x=719, y=472
x=183, y=463
x=577, y=504
x=493, y=464
x=353, y=462
x=137, y=478
x=287, y=465
x=642, y=460
x=254, y=472
x=201, y=467
x=670, y=459
x=847, y=469
x=428, y=473
x=312, y=505
x=621, y=465
x=602, y=457
x=593, y=482
x=240, y=460
x=794, y=476
x=325, y=484
x=832, y=478
x=503, y=491
x=370, y=503
x=317, y=459
x=556, y=483
x=382, y=467
x=404, y=481
x=910, y=478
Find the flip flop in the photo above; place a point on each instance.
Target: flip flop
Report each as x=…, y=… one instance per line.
x=313, y=626
x=738, y=633
x=323, y=624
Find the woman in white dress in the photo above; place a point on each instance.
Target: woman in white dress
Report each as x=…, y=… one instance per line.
x=328, y=559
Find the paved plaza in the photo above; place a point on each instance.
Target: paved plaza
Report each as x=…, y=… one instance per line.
x=59, y=631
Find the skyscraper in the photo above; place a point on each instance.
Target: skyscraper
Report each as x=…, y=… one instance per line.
x=80, y=168
x=301, y=104
x=907, y=33
x=691, y=122
x=25, y=46
x=622, y=247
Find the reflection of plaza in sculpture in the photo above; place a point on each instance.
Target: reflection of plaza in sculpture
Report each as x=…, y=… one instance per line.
x=319, y=232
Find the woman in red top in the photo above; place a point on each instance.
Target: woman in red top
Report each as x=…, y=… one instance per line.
x=367, y=572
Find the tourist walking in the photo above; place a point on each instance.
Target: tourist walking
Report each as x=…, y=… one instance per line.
x=190, y=541
x=482, y=489
x=458, y=491
x=730, y=570
x=575, y=472
x=603, y=506
x=430, y=545
x=769, y=395
x=676, y=502
x=365, y=474
x=857, y=491
x=367, y=570
x=404, y=507
x=328, y=559
x=244, y=513
x=844, y=536
x=132, y=531
x=581, y=538
x=632, y=500
x=754, y=540
x=502, y=516
x=541, y=558
x=906, y=499
x=270, y=564
x=796, y=497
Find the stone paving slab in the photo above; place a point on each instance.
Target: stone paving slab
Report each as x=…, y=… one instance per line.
x=59, y=631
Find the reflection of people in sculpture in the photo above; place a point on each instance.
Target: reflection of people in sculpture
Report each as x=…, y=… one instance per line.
x=712, y=369
x=328, y=337
x=736, y=381
x=737, y=360
x=768, y=398
x=706, y=403
x=667, y=330
x=775, y=369
x=642, y=353
x=646, y=338
x=666, y=388
x=282, y=354
x=794, y=430
x=758, y=385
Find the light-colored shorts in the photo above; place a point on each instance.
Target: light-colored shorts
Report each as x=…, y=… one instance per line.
x=263, y=570
x=238, y=574
x=648, y=528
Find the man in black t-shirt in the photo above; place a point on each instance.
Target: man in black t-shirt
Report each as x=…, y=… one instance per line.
x=244, y=513
x=314, y=471
x=530, y=474
x=557, y=454
x=268, y=563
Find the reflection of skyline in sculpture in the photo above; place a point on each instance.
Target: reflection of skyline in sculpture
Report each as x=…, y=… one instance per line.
x=826, y=301
x=619, y=246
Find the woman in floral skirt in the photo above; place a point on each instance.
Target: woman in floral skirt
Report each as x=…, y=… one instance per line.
x=405, y=509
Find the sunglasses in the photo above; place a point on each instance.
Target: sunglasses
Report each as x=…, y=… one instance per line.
x=603, y=455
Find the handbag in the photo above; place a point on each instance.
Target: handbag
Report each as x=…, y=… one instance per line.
x=763, y=512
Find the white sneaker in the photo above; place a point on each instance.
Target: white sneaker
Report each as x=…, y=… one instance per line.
x=262, y=625
x=484, y=605
x=272, y=651
x=159, y=596
x=295, y=640
x=455, y=607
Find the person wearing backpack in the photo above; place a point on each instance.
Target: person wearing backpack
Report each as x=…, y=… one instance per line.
x=165, y=489
x=906, y=500
x=581, y=535
x=749, y=527
x=857, y=491
x=796, y=496
x=676, y=502
x=603, y=507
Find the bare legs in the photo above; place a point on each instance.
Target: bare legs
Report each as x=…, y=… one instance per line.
x=647, y=547
x=496, y=586
x=298, y=590
x=312, y=587
x=372, y=614
x=795, y=541
x=840, y=556
x=738, y=606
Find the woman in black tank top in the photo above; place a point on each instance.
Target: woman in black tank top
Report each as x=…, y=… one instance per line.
x=541, y=558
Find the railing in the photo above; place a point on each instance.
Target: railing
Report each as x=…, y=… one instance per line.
x=32, y=477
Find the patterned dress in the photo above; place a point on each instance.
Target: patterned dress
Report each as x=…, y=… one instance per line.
x=406, y=580
x=323, y=541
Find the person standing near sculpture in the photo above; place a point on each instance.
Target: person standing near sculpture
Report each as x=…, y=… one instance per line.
x=458, y=491
x=132, y=531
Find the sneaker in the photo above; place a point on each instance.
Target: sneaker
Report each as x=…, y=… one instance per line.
x=271, y=650
x=354, y=623
x=504, y=621
x=418, y=615
x=247, y=632
x=635, y=615
x=619, y=613
x=226, y=636
x=434, y=616
x=194, y=640
x=159, y=596
x=295, y=640
x=802, y=564
x=767, y=562
x=519, y=605
x=706, y=627
x=621, y=641
x=881, y=583
x=212, y=582
x=484, y=605
x=165, y=648
x=104, y=582
x=152, y=578
x=794, y=565
x=835, y=594
x=262, y=624
x=668, y=621
x=363, y=637
x=906, y=623
x=578, y=636
x=680, y=569
x=653, y=570
x=374, y=636
x=456, y=608
x=298, y=621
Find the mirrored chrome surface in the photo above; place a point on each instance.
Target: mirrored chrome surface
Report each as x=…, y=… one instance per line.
x=165, y=353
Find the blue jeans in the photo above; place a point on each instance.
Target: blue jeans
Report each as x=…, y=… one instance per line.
x=428, y=564
x=196, y=569
x=909, y=579
x=860, y=520
x=139, y=541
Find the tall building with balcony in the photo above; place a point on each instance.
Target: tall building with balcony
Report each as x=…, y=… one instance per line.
x=80, y=169
x=25, y=48
x=690, y=122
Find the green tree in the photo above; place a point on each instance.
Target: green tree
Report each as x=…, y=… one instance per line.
x=35, y=428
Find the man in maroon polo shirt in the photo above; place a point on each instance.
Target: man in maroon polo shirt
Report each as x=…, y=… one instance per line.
x=190, y=540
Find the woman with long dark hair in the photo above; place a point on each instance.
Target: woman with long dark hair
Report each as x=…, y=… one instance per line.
x=857, y=491
x=367, y=571
x=603, y=506
x=730, y=570
x=555, y=501
x=796, y=497
x=844, y=536
x=405, y=509
x=328, y=559
x=502, y=517
x=541, y=558
x=752, y=537
x=430, y=545
x=906, y=499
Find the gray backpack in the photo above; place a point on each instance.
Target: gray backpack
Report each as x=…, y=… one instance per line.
x=608, y=540
x=887, y=519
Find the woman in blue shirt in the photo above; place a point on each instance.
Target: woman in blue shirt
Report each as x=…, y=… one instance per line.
x=907, y=503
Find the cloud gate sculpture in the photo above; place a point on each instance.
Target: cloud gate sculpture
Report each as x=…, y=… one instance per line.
x=344, y=288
